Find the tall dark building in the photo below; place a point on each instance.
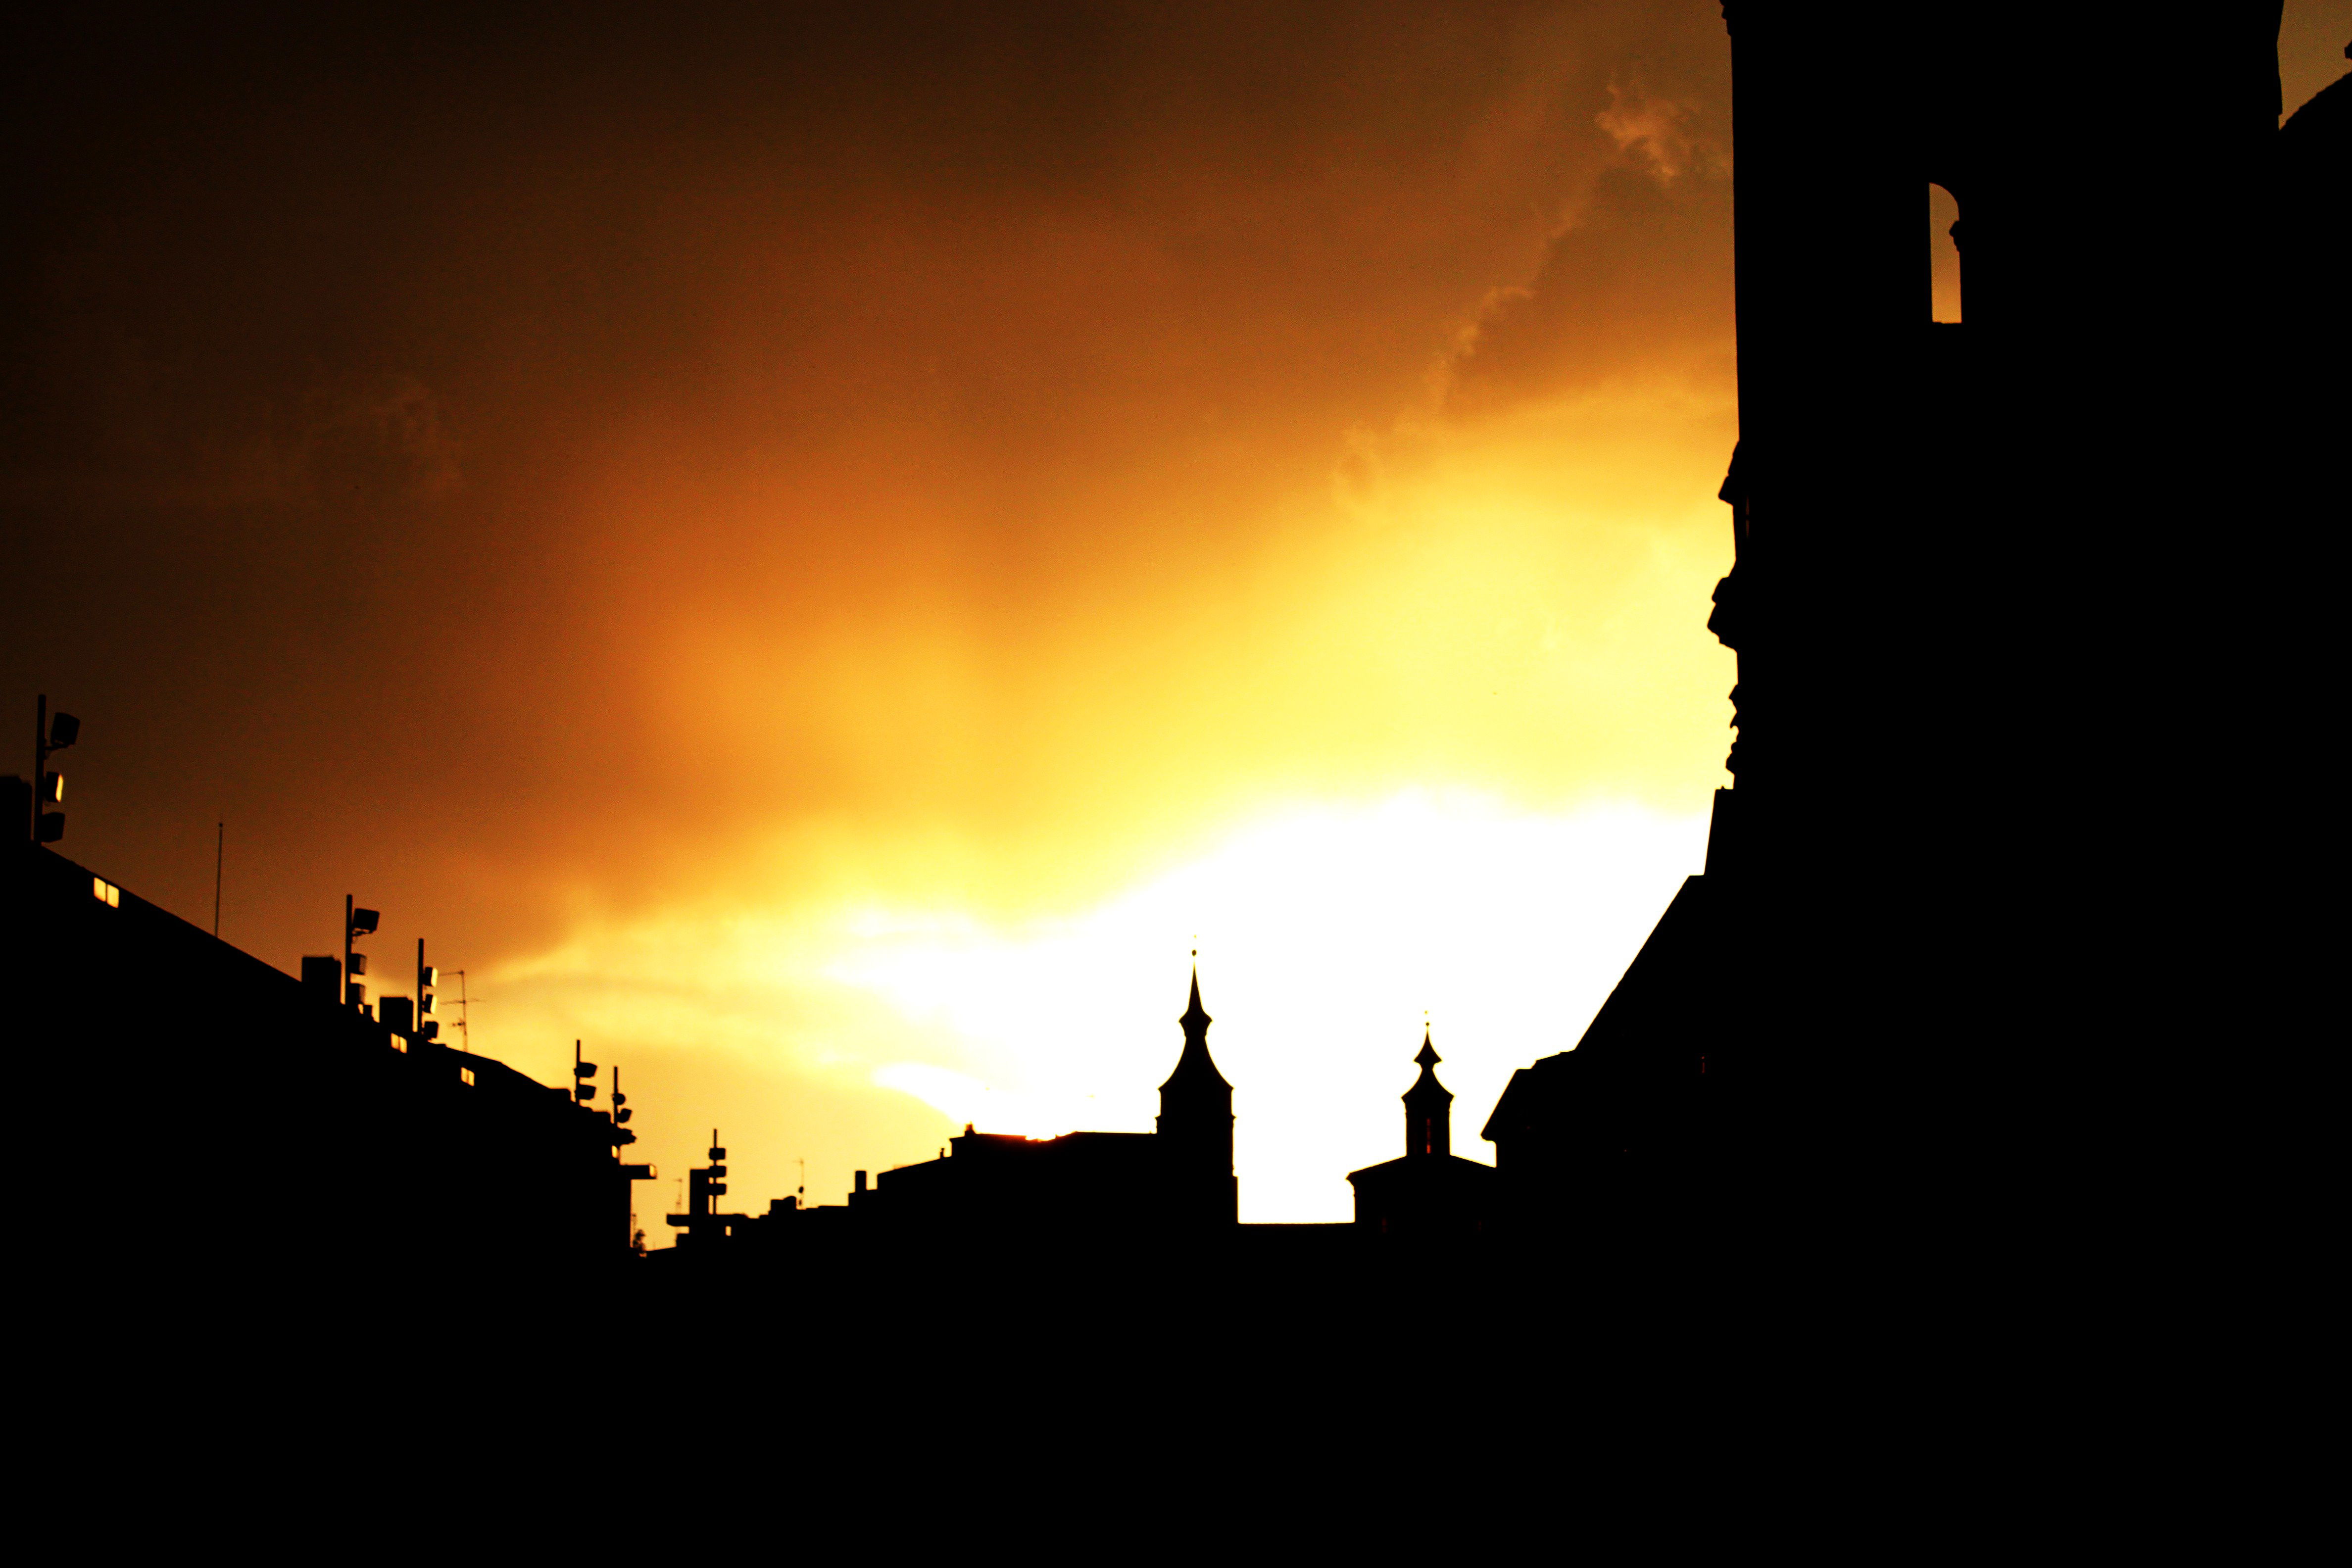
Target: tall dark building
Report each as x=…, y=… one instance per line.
x=2026, y=611
x=1196, y=1127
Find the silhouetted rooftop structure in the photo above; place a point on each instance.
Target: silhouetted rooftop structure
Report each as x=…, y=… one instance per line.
x=1176, y=1179
x=1431, y=1192
x=411, y=1162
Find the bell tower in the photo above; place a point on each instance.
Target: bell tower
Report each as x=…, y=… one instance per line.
x=1195, y=1128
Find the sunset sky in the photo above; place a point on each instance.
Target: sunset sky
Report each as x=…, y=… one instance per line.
x=821, y=549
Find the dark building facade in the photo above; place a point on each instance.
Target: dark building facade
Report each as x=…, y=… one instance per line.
x=167, y=1061
x=2020, y=669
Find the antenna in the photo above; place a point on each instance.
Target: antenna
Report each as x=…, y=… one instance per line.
x=463, y=1027
x=220, y=847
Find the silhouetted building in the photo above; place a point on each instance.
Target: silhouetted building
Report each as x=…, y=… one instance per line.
x=1195, y=1128
x=2023, y=651
x=1431, y=1192
x=1175, y=1180
x=1581, y=1134
x=374, y=1152
x=703, y=1224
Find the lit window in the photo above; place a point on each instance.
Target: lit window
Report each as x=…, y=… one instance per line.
x=106, y=893
x=465, y=1076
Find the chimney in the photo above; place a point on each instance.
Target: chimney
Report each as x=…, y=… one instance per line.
x=861, y=1181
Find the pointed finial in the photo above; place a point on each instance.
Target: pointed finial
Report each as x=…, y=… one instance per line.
x=1195, y=1015
x=1428, y=1057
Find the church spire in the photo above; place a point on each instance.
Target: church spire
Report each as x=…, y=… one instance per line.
x=1428, y=1107
x=1195, y=1128
x=1194, y=1070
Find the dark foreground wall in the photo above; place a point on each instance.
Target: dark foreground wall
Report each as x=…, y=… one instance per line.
x=200, y=1118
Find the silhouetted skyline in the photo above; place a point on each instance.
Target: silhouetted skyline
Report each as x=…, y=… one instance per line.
x=819, y=555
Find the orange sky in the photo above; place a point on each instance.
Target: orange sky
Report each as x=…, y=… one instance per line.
x=819, y=553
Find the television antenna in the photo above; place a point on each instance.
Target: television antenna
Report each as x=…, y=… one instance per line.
x=467, y=1047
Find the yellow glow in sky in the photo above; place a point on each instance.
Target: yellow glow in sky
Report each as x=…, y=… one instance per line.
x=1325, y=934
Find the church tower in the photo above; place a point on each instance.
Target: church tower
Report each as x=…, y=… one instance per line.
x=1428, y=1108
x=1430, y=1192
x=1196, y=1128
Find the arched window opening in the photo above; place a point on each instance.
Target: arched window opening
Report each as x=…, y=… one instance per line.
x=1943, y=256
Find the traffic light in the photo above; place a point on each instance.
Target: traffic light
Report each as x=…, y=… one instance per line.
x=357, y=923
x=427, y=978
x=51, y=732
x=622, y=1136
x=52, y=793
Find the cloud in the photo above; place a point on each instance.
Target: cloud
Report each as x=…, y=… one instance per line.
x=1637, y=282
x=1658, y=132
